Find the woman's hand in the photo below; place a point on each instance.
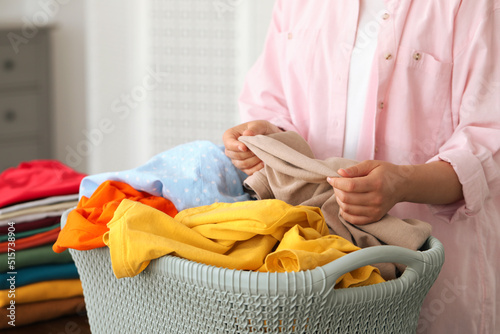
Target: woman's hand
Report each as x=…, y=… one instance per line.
x=368, y=190
x=239, y=154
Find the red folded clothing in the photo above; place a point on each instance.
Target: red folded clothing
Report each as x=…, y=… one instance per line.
x=37, y=179
x=31, y=241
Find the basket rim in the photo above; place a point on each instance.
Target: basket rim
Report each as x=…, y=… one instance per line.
x=319, y=280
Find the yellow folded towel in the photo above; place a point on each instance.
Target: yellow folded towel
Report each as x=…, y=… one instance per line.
x=41, y=291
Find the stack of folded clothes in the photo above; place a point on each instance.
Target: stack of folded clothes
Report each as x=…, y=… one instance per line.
x=36, y=284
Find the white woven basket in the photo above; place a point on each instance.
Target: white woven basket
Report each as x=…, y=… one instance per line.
x=175, y=295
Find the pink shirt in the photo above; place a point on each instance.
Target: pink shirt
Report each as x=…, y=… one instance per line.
x=434, y=94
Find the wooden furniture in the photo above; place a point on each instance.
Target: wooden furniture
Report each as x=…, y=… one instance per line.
x=25, y=130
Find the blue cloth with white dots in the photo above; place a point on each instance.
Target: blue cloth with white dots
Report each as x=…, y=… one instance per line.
x=189, y=175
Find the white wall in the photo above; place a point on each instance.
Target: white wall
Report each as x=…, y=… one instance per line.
x=253, y=18
x=101, y=64
x=11, y=10
x=194, y=43
x=120, y=82
x=69, y=77
x=206, y=49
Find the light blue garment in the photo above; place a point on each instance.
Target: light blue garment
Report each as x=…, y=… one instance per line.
x=189, y=175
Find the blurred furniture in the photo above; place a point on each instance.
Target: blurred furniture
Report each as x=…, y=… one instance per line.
x=24, y=94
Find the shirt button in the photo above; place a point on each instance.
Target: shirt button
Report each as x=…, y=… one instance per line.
x=381, y=105
x=388, y=56
x=417, y=56
x=386, y=16
x=376, y=149
x=290, y=35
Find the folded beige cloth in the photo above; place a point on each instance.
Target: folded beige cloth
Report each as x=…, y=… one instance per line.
x=293, y=175
x=39, y=209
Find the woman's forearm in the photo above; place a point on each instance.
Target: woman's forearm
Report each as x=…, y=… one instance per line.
x=432, y=183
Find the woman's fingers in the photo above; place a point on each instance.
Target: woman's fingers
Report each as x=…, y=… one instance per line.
x=240, y=155
x=252, y=170
x=361, y=212
x=237, y=155
x=231, y=142
x=246, y=164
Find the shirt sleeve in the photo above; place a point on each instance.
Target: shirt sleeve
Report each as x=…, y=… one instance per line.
x=263, y=97
x=474, y=147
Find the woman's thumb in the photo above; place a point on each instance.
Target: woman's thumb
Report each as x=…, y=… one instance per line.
x=255, y=128
x=359, y=170
x=248, y=132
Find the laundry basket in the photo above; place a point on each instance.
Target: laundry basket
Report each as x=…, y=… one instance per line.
x=175, y=295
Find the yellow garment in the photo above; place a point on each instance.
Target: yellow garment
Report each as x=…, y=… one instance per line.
x=46, y=290
x=305, y=249
x=235, y=236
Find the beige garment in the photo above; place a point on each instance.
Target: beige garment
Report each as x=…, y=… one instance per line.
x=39, y=209
x=293, y=175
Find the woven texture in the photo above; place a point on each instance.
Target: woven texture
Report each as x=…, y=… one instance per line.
x=193, y=43
x=175, y=295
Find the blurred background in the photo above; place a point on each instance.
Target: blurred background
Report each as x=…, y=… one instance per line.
x=105, y=85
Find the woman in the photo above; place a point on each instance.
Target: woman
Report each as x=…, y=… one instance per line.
x=411, y=89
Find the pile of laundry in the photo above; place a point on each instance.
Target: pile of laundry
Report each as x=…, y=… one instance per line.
x=191, y=202
x=36, y=284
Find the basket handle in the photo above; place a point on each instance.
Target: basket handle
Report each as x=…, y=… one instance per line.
x=414, y=260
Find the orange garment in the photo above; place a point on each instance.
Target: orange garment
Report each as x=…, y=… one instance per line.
x=86, y=224
x=31, y=241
